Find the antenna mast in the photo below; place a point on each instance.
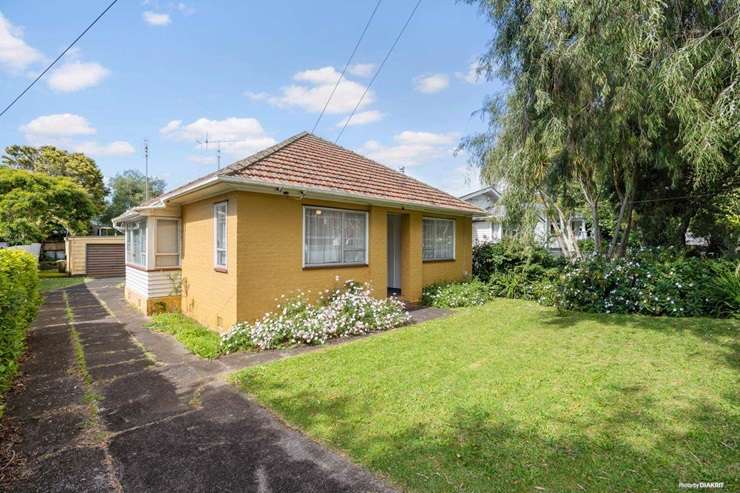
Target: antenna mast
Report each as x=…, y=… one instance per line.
x=218, y=143
x=146, y=169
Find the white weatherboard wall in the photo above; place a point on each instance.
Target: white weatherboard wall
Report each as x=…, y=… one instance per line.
x=151, y=284
x=482, y=232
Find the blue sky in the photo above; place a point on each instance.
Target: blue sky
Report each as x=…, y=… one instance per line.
x=254, y=72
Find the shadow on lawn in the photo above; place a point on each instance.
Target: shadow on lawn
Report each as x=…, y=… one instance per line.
x=624, y=447
x=721, y=332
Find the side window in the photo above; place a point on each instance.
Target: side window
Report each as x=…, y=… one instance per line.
x=219, y=228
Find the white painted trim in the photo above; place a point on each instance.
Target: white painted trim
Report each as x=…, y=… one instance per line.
x=303, y=236
x=226, y=234
x=319, y=193
x=178, y=232
x=454, y=238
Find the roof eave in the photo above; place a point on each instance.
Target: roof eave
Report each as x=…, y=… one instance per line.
x=328, y=194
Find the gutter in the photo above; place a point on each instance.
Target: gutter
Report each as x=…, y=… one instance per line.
x=277, y=188
x=333, y=194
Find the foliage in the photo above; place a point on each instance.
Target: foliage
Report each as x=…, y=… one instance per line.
x=718, y=220
x=35, y=205
x=528, y=282
x=726, y=288
x=57, y=162
x=350, y=310
x=609, y=103
x=198, y=339
x=501, y=257
x=456, y=294
x=19, y=300
x=471, y=401
x=128, y=190
x=647, y=281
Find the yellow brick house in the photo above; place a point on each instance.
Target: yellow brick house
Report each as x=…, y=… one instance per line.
x=303, y=214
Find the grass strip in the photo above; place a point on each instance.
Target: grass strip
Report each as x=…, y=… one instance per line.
x=198, y=339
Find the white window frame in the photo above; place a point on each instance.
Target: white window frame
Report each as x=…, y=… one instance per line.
x=454, y=239
x=216, y=206
x=128, y=242
x=157, y=253
x=334, y=264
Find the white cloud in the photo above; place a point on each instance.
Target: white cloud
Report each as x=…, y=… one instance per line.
x=54, y=126
x=317, y=85
x=362, y=69
x=412, y=148
x=15, y=54
x=73, y=76
x=362, y=118
x=247, y=134
x=185, y=8
x=116, y=148
x=63, y=129
x=156, y=18
x=459, y=181
x=432, y=83
x=471, y=76
x=170, y=127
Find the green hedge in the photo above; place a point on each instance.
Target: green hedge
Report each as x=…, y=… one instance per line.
x=19, y=301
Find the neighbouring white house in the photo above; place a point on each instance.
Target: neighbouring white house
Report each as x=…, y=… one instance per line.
x=489, y=227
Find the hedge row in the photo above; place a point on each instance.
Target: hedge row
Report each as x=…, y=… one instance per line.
x=648, y=281
x=19, y=301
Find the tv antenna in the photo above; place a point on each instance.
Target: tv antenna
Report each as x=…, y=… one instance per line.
x=146, y=169
x=218, y=143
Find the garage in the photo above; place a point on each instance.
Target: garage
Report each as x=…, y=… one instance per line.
x=105, y=260
x=95, y=256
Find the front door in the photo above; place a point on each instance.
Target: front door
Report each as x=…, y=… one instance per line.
x=394, y=254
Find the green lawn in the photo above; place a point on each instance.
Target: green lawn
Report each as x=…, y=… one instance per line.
x=51, y=279
x=510, y=396
x=198, y=339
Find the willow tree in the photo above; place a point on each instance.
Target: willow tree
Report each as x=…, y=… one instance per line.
x=602, y=94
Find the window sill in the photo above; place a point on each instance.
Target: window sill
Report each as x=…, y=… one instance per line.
x=222, y=270
x=333, y=266
x=437, y=261
x=156, y=269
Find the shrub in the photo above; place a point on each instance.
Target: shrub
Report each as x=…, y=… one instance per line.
x=647, y=281
x=509, y=254
x=532, y=282
x=19, y=301
x=350, y=310
x=726, y=288
x=456, y=294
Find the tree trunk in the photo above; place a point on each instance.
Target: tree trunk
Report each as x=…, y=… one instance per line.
x=626, y=238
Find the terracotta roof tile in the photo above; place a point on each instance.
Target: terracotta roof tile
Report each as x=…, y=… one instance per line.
x=310, y=161
x=306, y=160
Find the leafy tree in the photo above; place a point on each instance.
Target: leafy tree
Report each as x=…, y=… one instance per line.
x=33, y=206
x=128, y=190
x=58, y=162
x=609, y=101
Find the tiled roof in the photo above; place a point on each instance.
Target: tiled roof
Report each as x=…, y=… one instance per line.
x=306, y=160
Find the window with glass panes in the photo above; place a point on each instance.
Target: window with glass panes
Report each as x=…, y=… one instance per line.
x=334, y=236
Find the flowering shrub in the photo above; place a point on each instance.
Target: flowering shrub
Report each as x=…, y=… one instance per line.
x=350, y=310
x=647, y=281
x=456, y=294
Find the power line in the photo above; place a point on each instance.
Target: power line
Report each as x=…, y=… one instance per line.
x=668, y=199
x=380, y=67
x=58, y=58
x=349, y=60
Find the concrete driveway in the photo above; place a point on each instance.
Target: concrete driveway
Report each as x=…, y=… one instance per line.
x=132, y=410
